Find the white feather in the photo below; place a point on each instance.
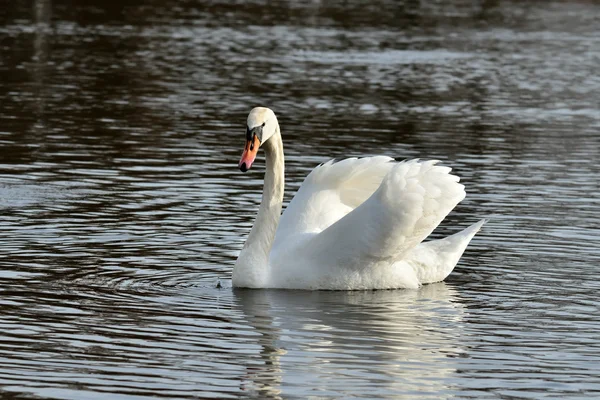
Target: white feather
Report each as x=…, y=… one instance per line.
x=356, y=224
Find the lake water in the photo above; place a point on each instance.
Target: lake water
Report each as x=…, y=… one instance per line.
x=122, y=207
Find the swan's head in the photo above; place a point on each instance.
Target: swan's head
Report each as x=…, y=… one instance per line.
x=260, y=126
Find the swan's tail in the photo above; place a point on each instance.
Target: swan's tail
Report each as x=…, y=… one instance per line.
x=433, y=261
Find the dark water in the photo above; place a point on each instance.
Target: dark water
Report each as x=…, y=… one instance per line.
x=121, y=205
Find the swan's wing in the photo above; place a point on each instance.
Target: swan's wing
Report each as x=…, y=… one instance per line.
x=330, y=192
x=413, y=198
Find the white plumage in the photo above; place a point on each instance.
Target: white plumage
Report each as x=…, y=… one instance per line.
x=354, y=224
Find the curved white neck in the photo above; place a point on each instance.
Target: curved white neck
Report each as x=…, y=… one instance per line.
x=251, y=267
x=267, y=219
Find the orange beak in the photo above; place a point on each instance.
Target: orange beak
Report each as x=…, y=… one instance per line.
x=249, y=154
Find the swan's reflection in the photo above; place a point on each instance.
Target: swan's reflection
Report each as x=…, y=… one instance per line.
x=382, y=342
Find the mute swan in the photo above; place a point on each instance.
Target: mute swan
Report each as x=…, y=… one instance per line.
x=354, y=224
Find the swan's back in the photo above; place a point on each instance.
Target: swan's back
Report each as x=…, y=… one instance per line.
x=353, y=224
x=331, y=191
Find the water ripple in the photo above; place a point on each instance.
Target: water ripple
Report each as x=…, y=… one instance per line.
x=122, y=210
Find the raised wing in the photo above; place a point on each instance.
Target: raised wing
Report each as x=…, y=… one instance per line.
x=328, y=193
x=413, y=198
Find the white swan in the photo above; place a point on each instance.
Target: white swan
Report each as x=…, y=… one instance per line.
x=354, y=224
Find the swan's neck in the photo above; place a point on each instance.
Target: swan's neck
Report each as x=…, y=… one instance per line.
x=263, y=231
x=252, y=265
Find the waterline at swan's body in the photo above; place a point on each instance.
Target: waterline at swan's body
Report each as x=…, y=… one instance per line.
x=355, y=224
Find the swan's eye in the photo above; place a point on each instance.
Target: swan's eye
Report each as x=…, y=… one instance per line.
x=252, y=133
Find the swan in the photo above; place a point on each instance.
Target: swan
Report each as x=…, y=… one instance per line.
x=354, y=224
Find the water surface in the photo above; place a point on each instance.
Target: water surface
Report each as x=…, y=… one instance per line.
x=121, y=205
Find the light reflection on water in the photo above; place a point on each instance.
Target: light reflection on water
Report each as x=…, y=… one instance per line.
x=121, y=206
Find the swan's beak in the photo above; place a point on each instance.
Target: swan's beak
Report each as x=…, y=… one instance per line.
x=249, y=153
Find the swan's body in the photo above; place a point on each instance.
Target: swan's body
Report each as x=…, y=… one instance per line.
x=354, y=224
